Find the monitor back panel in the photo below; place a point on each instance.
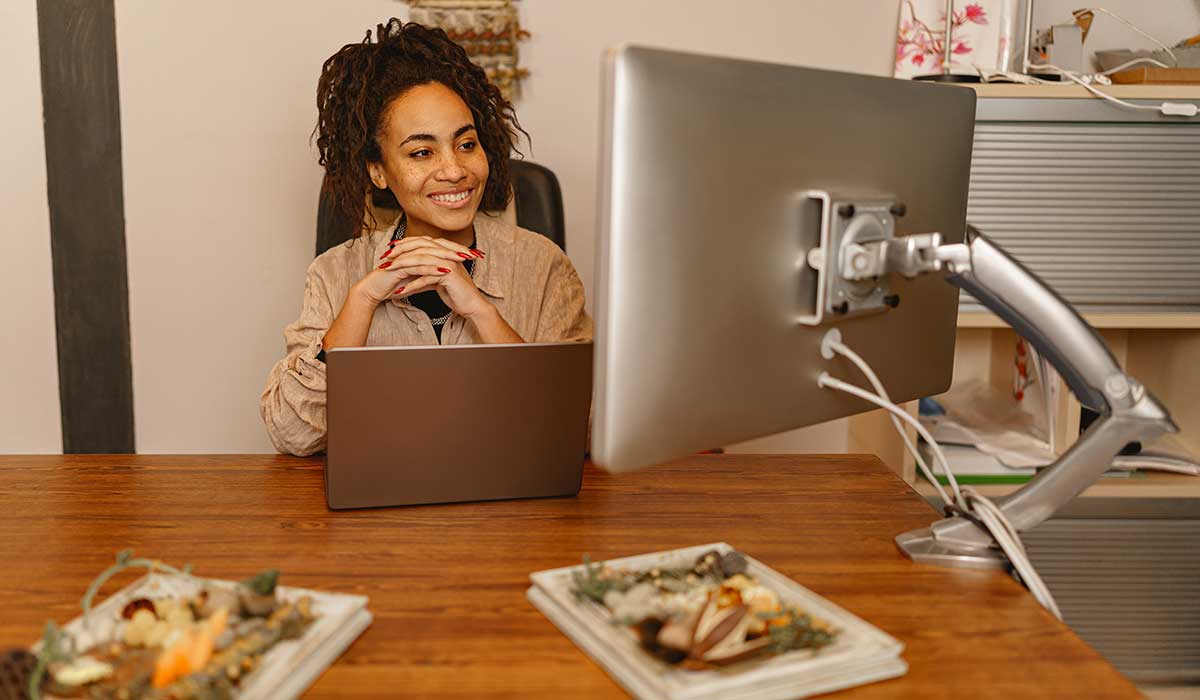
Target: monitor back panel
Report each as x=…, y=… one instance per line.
x=701, y=275
x=456, y=423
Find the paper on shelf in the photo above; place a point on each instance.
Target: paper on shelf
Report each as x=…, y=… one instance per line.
x=1166, y=453
x=994, y=423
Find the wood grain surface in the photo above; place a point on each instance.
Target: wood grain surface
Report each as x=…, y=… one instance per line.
x=447, y=582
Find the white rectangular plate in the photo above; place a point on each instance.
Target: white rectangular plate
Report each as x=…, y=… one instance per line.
x=861, y=654
x=286, y=670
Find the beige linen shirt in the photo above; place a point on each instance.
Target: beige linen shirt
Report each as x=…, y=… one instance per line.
x=525, y=275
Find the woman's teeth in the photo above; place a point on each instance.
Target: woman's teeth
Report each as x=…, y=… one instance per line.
x=451, y=198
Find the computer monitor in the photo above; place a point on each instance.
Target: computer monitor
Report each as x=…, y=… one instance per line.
x=704, y=274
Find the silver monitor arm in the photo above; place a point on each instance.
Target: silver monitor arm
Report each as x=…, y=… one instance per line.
x=1128, y=412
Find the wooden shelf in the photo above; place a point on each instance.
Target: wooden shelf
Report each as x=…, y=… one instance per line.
x=1124, y=319
x=1072, y=91
x=1152, y=485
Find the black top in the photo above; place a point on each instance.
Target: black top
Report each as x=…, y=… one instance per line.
x=432, y=304
x=429, y=301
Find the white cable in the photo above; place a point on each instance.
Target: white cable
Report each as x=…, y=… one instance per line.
x=1134, y=62
x=1172, y=109
x=844, y=350
x=1010, y=543
x=1176, y=109
x=1139, y=30
x=828, y=381
x=992, y=517
x=1075, y=78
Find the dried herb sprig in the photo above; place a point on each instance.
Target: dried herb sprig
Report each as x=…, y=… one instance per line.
x=125, y=560
x=592, y=586
x=798, y=632
x=56, y=646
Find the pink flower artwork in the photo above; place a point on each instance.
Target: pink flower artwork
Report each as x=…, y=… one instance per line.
x=980, y=38
x=973, y=13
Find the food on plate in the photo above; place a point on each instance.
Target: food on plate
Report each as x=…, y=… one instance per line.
x=712, y=613
x=196, y=646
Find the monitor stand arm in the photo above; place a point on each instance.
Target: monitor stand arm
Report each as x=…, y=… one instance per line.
x=1127, y=411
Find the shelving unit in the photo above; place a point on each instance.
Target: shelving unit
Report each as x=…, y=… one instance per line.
x=1156, y=342
x=1105, y=206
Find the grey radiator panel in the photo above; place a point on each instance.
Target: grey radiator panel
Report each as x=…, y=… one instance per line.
x=1130, y=588
x=1107, y=213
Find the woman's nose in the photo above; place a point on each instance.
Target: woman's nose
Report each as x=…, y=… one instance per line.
x=452, y=170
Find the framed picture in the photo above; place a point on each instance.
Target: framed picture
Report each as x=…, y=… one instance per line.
x=984, y=36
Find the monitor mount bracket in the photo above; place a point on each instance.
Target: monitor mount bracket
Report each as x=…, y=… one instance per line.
x=865, y=251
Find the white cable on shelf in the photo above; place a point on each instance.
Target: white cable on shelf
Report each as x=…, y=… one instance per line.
x=1086, y=80
x=1132, y=63
x=1171, y=109
x=967, y=498
x=1139, y=30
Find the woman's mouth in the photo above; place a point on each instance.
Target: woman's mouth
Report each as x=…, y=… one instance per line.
x=455, y=199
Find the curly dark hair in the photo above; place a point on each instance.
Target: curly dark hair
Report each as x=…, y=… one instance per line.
x=359, y=82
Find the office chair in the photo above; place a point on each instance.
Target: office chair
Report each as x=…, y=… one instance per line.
x=537, y=199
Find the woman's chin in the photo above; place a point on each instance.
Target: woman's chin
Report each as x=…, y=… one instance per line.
x=452, y=219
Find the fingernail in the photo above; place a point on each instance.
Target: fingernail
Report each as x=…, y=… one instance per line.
x=386, y=264
x=386, y=253
x=443, y=270
x=398, y=290
x=478, y=253
x=464, y=256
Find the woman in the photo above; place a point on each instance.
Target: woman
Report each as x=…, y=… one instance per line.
x=409, y=112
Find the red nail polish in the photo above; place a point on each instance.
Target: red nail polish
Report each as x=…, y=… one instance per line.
x=386, y=264
x=443, y=270
x=464, y=256
x=478, y=253
x=386, y=253
x=398, y=290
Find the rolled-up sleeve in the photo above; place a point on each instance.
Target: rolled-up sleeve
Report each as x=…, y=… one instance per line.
x=563, y=316
x=293, y=402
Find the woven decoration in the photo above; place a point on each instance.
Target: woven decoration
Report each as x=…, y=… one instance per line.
x=488, y=29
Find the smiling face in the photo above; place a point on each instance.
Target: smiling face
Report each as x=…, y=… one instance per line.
x=432, y=161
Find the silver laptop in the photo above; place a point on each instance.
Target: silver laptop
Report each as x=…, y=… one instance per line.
x=456, y=423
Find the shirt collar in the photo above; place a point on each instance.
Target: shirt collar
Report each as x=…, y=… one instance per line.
x=496, y=242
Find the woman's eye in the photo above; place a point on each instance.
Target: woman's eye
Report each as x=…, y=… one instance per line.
x=468, y=146
x=421, y=153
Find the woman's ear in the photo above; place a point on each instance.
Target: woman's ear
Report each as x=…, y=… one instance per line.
x=375, y=170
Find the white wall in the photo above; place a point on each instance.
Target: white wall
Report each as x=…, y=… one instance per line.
x=220, y=184
x=29, y=409
x=218, y=99
x=217, y=104
x=560, y=105
x=560, y=102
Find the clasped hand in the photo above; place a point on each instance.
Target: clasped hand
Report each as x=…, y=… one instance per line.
x=419, y=263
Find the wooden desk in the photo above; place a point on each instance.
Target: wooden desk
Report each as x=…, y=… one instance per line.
x=447, y=582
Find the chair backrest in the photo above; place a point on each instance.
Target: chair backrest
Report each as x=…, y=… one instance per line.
x=537, y=198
